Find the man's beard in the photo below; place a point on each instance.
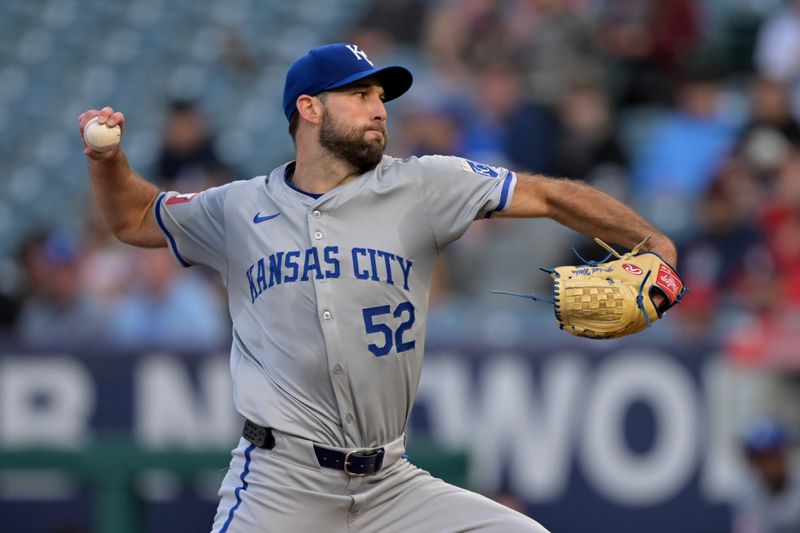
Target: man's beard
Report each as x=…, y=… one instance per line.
x=349, y=145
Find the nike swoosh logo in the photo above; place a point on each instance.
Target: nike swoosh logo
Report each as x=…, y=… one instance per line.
x=258, y=218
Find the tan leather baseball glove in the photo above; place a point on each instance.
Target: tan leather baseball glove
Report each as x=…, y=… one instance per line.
x=611, y=299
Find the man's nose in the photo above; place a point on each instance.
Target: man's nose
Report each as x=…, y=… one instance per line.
x=379, y=111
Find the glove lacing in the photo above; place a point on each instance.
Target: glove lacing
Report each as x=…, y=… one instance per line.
x=616, y=254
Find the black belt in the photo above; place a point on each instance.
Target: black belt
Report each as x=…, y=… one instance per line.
x=358, y=462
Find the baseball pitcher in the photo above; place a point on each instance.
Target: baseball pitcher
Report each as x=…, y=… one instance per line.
x=328, y=262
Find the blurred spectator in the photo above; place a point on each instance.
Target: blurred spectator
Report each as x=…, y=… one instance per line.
x=505, y=128
x=187, y=160
x=586, y=145
x=545, y=40
x=58, y=312
x=238, y=54
x=772, y=129
x=387, y=23
x=106, y=259
x=492, y=120
x=777, y=54
x=556, y=47
x=167, y=307
x=683, y=151
x=772, y=337
x=427, y=128
x=466, y=34
x=781, y=222
x=648, y=39
x=769, y=497
x=727, y=258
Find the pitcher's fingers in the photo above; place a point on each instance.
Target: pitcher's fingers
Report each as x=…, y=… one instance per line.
x=116, y=118
x=104, y=114
x=85, y=117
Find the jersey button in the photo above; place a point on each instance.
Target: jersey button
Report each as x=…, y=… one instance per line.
x=349, y=418
x=318, y=235
x=338, y=369
x=327, y=315
x=316, y=213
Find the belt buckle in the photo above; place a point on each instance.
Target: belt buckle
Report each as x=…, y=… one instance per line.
x=359, y=452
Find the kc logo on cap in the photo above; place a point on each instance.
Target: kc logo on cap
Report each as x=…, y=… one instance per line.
x=334, y=66
x=360, y=54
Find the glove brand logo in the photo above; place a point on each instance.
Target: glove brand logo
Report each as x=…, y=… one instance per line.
x=181, y=198
x=668, y=281
x=632, y=269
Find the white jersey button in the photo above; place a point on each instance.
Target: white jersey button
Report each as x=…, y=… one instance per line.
x=349, y=418
x=318, y=235
x=316, y=213
x=327, y=315
x=337, y=369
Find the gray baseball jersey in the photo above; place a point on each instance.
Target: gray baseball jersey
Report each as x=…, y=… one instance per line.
x=329, y=294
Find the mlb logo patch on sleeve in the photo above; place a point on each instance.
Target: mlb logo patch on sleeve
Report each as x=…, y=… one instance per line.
x=181, y=198
x=479, y=168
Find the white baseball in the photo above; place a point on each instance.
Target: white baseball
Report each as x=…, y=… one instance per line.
x=100, y=137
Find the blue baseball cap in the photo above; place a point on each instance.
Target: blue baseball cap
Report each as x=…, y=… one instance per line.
x=765, y=434
x=335, y=65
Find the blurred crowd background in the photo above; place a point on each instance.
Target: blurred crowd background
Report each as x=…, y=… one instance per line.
x=687, y=109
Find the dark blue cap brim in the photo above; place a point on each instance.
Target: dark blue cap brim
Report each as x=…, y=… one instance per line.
x=395, y=80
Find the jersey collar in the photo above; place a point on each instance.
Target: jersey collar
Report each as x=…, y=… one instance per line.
x=279, y=183
x=287, y=178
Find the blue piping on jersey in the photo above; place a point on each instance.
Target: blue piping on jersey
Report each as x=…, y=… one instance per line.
x=312, y=195
x=166, y=232
x=503, y=195
x=245, y=471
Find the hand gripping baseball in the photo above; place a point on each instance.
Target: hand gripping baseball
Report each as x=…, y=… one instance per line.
x=609, y=299
x=101, y=132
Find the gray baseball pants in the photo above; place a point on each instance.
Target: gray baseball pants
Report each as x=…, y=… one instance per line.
x=284, y=490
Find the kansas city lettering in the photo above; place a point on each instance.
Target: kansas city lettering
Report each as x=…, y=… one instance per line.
x=305, y=265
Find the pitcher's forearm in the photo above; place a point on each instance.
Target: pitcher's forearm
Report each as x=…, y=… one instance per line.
x=125, y=201
x=595, y=213
x=587, y=210
x=123, y=197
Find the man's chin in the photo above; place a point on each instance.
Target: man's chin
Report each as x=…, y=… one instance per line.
x=369, y=160
x=375, y=147
x=375, y=137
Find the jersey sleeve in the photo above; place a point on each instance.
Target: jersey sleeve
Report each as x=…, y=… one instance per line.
x=459, y=191
x=194, y=226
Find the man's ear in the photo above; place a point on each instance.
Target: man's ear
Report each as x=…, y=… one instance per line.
x=310, y=108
